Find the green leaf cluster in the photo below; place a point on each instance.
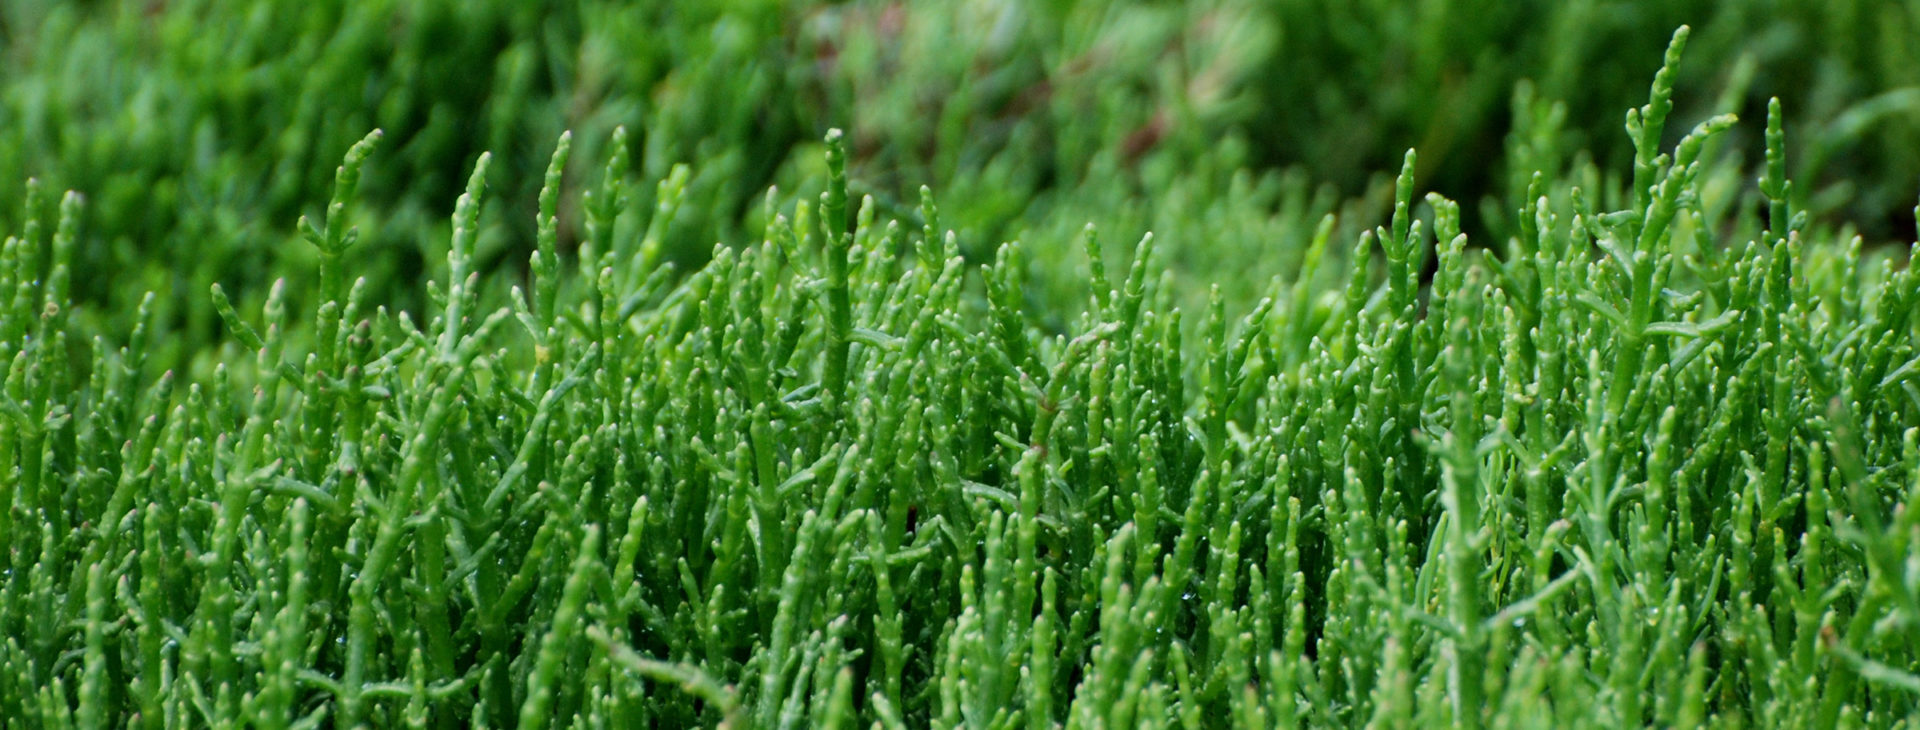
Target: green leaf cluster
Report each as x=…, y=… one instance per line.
x=1651, y=460
x=199, y=128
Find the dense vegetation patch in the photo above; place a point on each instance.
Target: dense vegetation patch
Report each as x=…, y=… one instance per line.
x=1646, y=461
x=200, y=129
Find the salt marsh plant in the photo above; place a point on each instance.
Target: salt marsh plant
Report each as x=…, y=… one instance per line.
x=1650, y=460
x=198, y=129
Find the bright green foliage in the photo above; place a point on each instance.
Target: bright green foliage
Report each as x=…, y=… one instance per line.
x=199, y=128
x=1648, y=461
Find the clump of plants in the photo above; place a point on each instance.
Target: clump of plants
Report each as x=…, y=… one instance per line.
x=1648, y=461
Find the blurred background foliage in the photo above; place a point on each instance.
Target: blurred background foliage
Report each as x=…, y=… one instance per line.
x=200, y=130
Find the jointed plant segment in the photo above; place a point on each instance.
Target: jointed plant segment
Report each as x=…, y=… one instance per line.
x=1651, y=461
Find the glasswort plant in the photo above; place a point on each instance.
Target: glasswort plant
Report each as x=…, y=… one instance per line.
x=1651, y=460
